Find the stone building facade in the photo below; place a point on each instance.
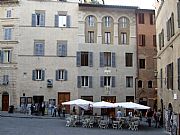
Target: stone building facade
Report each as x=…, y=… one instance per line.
x=146, y=51
x=168, y=61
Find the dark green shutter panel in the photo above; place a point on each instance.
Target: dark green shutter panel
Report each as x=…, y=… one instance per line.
x=65, y=50
x=56, y=21
x=90, y=81
x=34, y=75
x=10, y=56
x=79, y=81
x=0, y=56
x=160, y=41
x=78, y=59
x=57, y=75
x=101, y=81
x=168, y=29
x=113, y=81
x=113, y=60
x=68, y=21
x=101, y=59
x=43, y=75
x=33, y=20
x=178, y=13
x=90, y=59
x=42, y=20
x=65, y=73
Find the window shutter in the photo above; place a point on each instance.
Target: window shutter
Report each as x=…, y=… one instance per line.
x=113, y=60
x=78, y=59
x=10, y=56
x=43, y=75
x=101, y=59
x=68, y=21
x=63, y=50
x=9, y=30
x=79, y=81
x=168, y=30
x=101, y=81
x=58, y=50
x=90, y=59
x=57, y=75
x=113, y=81
x=33, y=20
x=65, y=75
x=34, y=75
x=0, y=56
x=42, y=20
x=56, y=21
x=178, y=13
x=90, y=81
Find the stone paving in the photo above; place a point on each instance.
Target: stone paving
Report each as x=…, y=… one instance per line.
x=11, y=125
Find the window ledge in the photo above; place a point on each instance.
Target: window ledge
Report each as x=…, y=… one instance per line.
x=9, y=41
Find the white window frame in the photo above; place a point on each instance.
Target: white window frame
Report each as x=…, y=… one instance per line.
x=7, y=53
x=107, y=81
x=38, y=75
x=9, y=13
x=61, y=74
x=38, y=19
x=123, y=38
x=124, y=22
x=62, y=21
x=107, y=37
x=7, y=33
x=84, y=81
x=91, y=21
x=129, y=81
x=37, y=53
x=90, y=36
x=107, y=21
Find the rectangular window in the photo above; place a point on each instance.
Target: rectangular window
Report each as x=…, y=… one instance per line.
x=141, y=18
x=140, y=84
x=39, y=48
x=38, y=75
x=170, y=76
x=61, y=74
x=107, y=59
x=8, y=14
x=107, y=80
x=84, y=81
x=129, y=59
x=107, y=37
x=170, y=27
x=154, y=40
x=150, y=84
x=123, y=38
x=142, y=63
x=62, y=48
x=62, y=20
x=129, y=82
x=38, y=19
x=6, y=55
x=142, y=40
x=84, y=59
x=90, y=36
x=179, y=74
x=152, y=18
x=7, y=33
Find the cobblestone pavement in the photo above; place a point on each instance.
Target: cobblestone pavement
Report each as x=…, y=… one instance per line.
x=33, y=126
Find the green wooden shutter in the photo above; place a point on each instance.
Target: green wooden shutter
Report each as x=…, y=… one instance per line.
x=33, y=20
x=56, y=21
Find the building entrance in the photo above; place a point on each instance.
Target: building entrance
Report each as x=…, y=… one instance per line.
x=5, y=101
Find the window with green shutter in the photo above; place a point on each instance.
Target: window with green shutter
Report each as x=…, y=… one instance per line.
x=38, y=75
x=62, y=19
x=39, y=48
x=62, y=48
x=38, y=19
x=61, y=75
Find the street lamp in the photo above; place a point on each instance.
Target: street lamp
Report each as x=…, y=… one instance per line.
x=107, y=87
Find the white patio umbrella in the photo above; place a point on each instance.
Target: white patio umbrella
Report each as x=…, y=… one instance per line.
x=103, y=104
x=79, y=102
x=131, y=105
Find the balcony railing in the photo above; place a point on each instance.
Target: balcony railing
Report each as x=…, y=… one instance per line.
x=8, y=1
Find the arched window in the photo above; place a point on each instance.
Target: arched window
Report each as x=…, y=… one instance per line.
x=139, y=84
x=124, y=22
x=123, y=30
x=90, y=29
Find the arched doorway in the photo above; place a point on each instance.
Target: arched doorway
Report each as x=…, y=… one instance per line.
x=5, y=101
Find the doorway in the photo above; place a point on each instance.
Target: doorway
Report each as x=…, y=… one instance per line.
x=64, y=97
x=38, y=99
x=5, y=101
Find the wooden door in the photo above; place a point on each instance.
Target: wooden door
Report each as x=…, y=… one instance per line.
x=64, y=97
x=5, y=102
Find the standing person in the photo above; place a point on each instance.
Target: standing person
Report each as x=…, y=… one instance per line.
x=32, y=109
x=119, y=114
x=43, y=108
x=149, y=116
x=55, y=110
x=74, y=110
x=155, y=118
x=59, y=110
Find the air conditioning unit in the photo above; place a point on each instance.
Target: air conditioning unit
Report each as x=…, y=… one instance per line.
x=49, y=83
